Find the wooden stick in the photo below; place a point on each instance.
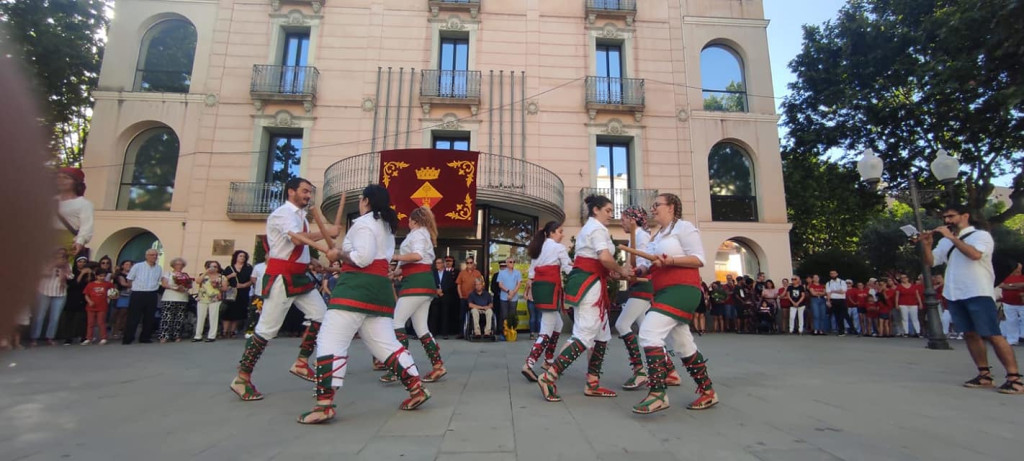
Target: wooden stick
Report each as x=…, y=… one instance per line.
x=341, y=206
x=302, y=238
x=319, y=218
x=635, y=252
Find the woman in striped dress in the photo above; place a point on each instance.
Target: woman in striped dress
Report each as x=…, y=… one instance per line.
x=549, y=261
x=418, y=290
x=677, y=294
x=363, y=301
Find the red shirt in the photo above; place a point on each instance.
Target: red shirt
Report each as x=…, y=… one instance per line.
x=97, y=293
x=783, y=300
x=814, y=288
x=853, y=298
x=908, y=295
x=1015, y=297
x=873, y=307
x=890, y=301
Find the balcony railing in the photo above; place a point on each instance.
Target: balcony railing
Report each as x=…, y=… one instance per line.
x=733, y=208
x=611, y=5
x=284, y=83
x=615, y=93
x=500, y=180
x=621, y=199
x=472, y=6
x=450, y=86
x=255, y=200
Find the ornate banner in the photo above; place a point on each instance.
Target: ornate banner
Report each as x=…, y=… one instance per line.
x=444, y=180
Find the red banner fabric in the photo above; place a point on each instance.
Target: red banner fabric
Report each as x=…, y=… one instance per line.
x=443, y=180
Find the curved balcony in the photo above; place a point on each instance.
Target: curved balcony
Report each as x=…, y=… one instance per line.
x=503, y=181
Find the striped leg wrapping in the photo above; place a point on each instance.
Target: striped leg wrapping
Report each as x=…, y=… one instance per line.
x=636, y=360
x=432, y=349
x=572, y=351
x=254, y=347
x=597, y=358
x=656, y=368
x=549, y=352
x=538, y=348
x=696, y=365
x=309, y=340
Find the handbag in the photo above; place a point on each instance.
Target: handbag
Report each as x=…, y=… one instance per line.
x=231, y=294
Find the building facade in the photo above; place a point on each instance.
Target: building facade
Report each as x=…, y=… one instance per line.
x=205, y=106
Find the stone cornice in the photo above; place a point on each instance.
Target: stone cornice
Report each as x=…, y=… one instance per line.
x=147, y=96
x=735, y=22
x=738, y=116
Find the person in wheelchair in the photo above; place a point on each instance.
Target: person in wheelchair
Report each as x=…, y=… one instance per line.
x=765, y=317
x=481, y=302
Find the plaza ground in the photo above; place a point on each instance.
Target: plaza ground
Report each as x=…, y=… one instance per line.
x=782, y=398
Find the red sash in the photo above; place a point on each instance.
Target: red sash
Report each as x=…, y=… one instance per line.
x=598, y=270
x=666, y=276
x=286, y=269
x=551, y=274
x=377, y=267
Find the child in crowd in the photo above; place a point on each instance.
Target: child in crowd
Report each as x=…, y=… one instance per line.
x=97, y=295
x=884, y=317
x=22, y=321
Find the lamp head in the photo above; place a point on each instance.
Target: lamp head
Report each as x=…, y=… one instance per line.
x=944, y=167
x=870, y=167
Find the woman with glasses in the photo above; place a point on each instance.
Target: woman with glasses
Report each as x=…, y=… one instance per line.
x=676, y=279
x=211, y=290
x=585, y=291
x=176, y=284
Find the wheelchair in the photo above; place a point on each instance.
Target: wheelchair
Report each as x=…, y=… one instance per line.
x=467, y=328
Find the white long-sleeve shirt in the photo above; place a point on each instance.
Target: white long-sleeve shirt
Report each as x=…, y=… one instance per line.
x=643, y=240
x=369, y=239
x=965, y=277
x=418, y=241
x=592, y=239
x=551, y=253
x=836, y=289
x=79, y=213
x=681, y=239
x=286, y=218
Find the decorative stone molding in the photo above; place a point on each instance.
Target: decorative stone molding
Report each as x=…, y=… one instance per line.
x=369, y=105
x=532, y=107
x=610, y=31
x=275, y=5
x=258, y=104
x=283, y=119
x=450, y=121
x=638, y=116
x=426, y=108
x=296, y=18
x=614, y=127
x=474, y=110
x=317, y=6
x=592, y=113
x=210, y=100
x=308, y=105
x=682, y=115
x=454, y=23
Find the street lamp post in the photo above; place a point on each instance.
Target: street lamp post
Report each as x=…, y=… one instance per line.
x=945, y=169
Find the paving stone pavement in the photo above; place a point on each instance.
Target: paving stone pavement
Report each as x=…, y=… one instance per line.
x=783, y=398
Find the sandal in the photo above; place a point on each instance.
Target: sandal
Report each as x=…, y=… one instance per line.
x=706, y=400
x=303, y=371
x=653, y=403
x=416, y=398
x=1014, y=386
x=244, y=389
x=388, y=378
x=327, y=412
x=528, y=372
x=673, y=379
x=638, y=380
x=593, y=388
x=435, y=375
x=548, y=388
x=984, y=379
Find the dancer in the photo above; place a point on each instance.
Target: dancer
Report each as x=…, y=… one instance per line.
x=585, y=291
x=549, y=261
x=634, y=221
x=677, y=293
x=363, y=301
x=285, y=282
x=418, y=290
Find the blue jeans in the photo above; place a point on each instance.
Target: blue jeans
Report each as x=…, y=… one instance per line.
x=821, y=319
x=534, y=317
x=52, y=304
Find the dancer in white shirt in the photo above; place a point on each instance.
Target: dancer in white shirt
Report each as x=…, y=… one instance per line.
x=549, y=260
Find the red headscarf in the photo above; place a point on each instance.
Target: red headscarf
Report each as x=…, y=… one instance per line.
x=77, y=175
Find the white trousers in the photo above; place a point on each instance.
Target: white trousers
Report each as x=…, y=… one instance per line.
x=277, y=303
x=338, y=329
x=550, y=322
x=1013, y=327
x=946, y=318
x=796, y=314
x=657, y=327
x=206, y=310
x=908, y=316
x=632, y=312
x=415, y=307
x=590, y=324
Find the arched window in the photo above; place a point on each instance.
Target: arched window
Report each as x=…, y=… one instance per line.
x=165, y=57
x=721, y=74
x=150, y=164
x=135, y=249
x=735, y=258
x=731, y=172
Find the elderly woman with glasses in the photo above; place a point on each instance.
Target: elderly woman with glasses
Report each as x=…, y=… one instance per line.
x=176, y=284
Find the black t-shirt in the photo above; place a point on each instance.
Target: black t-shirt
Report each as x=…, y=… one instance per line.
x=795, y=292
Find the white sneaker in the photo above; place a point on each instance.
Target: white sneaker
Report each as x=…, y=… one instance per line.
x=102, y=342
x=85, y=342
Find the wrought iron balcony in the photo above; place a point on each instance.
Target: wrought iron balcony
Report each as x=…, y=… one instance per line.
x=621, y=199
x=255, y=200
x=614, y=8
x=734, y=208
x=470, y=6
x=501, y=180
x=284, y=83
x=612, y=93
x=450, y=86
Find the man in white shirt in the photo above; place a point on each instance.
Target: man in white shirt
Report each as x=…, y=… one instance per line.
x=967, y=253
x=835, y=289
x=285, y=282
x=144, y=280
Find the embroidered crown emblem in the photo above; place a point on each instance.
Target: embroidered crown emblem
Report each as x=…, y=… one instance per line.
x=427, y=173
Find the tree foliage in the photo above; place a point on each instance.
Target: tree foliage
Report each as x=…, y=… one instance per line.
x=907, y=77
x=827, y=204
x=61, y=42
